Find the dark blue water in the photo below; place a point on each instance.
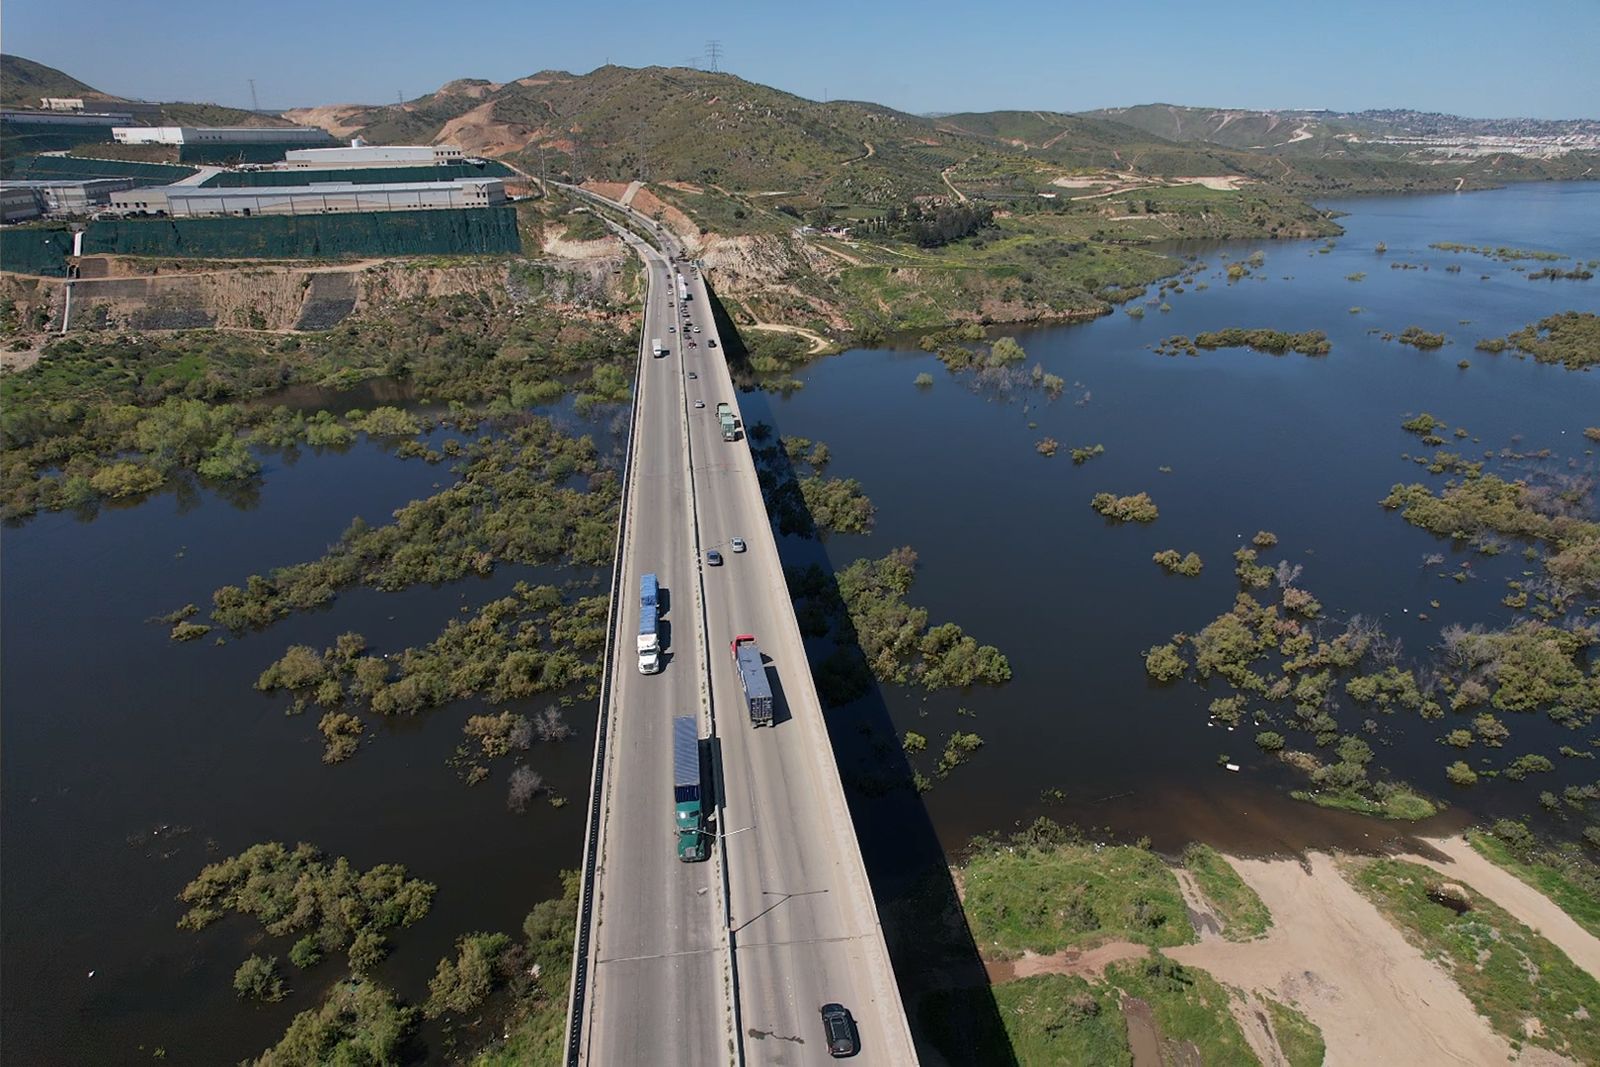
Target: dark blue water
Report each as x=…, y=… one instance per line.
x=1305, y=447
x=131, y=761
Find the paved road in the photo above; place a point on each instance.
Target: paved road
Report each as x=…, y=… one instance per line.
x=804, y=926
x=657, y=979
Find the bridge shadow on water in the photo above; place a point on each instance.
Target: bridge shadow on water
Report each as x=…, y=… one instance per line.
x=948, y=1000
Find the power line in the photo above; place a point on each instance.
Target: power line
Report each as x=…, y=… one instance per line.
x=714, y=53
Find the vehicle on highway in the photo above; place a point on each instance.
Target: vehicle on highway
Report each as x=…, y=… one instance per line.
x=688, y=793
x=730, y=428
x=649, y=625
x=753, y=679
x=713, y=558
x=736, y=543
x=699, y=403
x=840, y=1029
x=672, y=329
x=697, y=329
x=692, y=374
x=711, y=342
x=657, y=347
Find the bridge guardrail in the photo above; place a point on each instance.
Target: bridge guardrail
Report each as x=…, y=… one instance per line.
x=577, y=990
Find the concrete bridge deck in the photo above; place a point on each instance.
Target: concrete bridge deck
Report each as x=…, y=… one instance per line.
x=730, y=960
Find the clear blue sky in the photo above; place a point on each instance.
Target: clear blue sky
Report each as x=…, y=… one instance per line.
x=1484, y=58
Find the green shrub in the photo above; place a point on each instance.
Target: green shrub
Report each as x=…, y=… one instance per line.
x=1136, y=508
x=257, y=979
x=1163, y=663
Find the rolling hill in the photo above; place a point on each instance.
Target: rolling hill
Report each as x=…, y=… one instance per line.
x=23, y=82
x=1391, y=133
x=683, y=125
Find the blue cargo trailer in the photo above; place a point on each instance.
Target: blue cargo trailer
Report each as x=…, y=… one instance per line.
x=688, y=795
x=649, y=626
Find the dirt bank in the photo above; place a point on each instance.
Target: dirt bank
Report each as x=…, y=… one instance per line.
x=1525, y=903
x=1331, y=954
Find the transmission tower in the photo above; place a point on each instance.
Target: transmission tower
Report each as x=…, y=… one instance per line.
x=255, y=105
x=714, y=54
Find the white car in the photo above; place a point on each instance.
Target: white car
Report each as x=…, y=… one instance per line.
x=672, y=329
x=736, y=543
x=697, y=329
x=699, y=403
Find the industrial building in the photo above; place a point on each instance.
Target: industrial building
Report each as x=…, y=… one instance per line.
x=18, y=204
x=190, y=201
x=219, y=135
x=31, y=199
x=19, y=117
x=365, y=155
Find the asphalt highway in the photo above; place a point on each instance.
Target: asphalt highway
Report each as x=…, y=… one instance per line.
x=801, y=920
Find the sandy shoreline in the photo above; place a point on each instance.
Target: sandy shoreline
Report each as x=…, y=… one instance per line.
x=1335, y=957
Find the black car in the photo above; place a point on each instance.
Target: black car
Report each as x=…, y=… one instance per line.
x=840, y=1030
x=714, y=558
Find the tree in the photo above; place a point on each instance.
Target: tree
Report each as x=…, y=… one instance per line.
x=359, y=1023
x=1163, y=663
x=462, y=984
x=257, y=978
x=1004, y=351
x=367, y=951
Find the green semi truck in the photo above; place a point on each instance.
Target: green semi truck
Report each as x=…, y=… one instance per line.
x=730, y=428
x=689, y=792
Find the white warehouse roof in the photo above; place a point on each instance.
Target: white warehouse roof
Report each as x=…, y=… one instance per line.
x=314, y=199
x=180, y=135
x=371, y=155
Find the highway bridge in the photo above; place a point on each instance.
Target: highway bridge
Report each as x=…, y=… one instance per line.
x=726, y=961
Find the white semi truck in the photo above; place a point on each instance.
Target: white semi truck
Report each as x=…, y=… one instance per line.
x=649, y=625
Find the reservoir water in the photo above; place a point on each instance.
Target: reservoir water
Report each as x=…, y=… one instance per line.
x=130, y=761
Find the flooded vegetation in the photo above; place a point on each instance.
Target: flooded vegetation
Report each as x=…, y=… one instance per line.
x=1328, y=666
x=370, y=620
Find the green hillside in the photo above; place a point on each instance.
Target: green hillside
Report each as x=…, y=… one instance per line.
x=23, y=82
x=678, y=124
x=1252, y=130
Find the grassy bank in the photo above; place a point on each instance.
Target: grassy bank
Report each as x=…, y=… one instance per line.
x=1527, y=988
x=1049, y=889
x=1560, y=871
x=1298, y=1037
x=1240, y=909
